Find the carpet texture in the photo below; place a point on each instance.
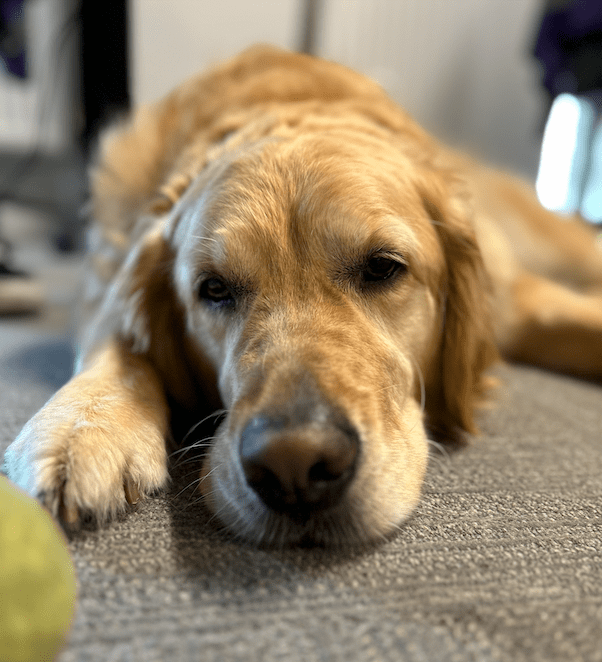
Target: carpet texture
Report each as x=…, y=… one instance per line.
x=501, y=562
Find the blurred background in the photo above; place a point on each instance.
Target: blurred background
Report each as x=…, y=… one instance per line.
x=495, y=76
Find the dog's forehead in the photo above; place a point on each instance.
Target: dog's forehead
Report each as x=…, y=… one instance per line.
x=309, y=201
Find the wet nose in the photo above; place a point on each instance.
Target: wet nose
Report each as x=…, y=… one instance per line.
x=297, y=469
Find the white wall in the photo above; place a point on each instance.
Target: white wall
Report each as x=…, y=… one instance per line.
x=173, y=39
x=461, y=67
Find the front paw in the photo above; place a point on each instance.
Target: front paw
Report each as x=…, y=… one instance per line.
x=88, y=460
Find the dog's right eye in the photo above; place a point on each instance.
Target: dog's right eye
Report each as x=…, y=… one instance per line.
x=214, y=290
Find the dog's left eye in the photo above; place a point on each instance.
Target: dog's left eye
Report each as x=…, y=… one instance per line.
x=214, y=290
x=380, y=267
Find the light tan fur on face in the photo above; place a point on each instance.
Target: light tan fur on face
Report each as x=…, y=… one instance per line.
x=294, y=250
x=282, y=175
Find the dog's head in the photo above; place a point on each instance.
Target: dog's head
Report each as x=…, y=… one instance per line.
x=326, y=282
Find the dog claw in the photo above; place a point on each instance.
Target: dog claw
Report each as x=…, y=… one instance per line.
x=132, y=494
x=69, y=515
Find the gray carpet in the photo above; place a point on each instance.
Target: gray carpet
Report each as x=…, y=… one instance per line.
x=502, y=561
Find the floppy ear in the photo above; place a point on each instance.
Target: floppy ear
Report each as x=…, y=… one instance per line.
x=143, y=310
x=456, y=383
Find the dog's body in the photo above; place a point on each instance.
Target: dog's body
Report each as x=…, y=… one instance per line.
x=279, y=239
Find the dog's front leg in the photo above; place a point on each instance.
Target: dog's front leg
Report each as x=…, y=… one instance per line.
x=99, y=442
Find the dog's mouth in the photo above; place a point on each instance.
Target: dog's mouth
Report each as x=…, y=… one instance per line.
x=248, y=518
x=278, y=484
x=335, y=511
x=295, y=468
x=332, y=529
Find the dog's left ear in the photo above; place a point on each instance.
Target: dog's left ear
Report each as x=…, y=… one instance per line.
x=456, y=384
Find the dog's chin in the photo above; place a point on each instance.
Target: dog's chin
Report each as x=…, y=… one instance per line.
x=335, y=528
x=266, y=528
x=241, y=511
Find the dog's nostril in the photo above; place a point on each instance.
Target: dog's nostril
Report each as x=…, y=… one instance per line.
x=321, y=472
x=297, y=469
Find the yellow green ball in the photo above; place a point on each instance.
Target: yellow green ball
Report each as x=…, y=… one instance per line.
x=37, y=580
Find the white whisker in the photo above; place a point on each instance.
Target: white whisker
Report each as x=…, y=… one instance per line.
x=201, y=443
x=214, y=414
x=390, y=386
x=188, y=486
x=440, y=448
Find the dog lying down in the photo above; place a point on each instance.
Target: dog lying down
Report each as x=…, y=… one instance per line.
x=277, y=238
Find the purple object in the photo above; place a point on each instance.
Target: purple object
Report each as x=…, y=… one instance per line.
x=569, y=46
x=12, y=37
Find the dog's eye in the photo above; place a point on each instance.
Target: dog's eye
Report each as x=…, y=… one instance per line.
x=380, y=267
x=214, y=290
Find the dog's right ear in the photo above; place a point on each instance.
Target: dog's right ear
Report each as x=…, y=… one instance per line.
x=142, y=309
x=156, y=316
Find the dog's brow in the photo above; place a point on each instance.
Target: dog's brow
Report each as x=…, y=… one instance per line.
x=391, y=236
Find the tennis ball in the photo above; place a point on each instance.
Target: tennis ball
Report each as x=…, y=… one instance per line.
x=37, y=580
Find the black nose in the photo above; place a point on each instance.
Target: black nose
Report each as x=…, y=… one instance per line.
x=298, y=469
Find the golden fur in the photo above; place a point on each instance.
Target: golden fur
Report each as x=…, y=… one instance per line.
x=278, y=238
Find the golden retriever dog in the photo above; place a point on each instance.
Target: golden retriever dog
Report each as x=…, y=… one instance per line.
x=278, y=239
